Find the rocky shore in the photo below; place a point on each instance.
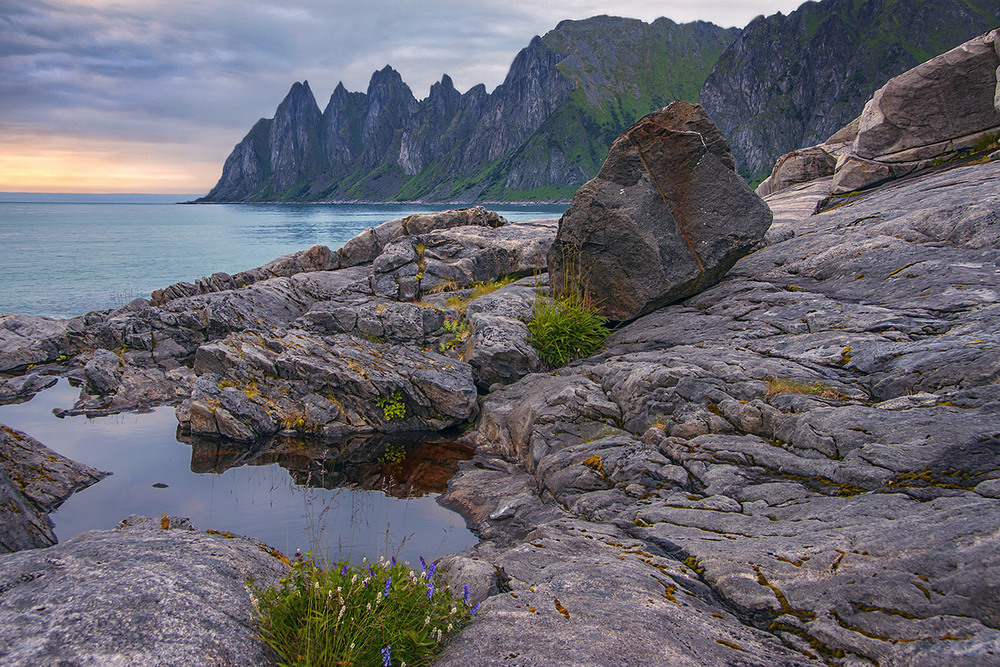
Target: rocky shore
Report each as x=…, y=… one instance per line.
x=797, y=463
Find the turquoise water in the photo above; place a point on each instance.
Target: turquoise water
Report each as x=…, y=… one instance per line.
x=62, y=260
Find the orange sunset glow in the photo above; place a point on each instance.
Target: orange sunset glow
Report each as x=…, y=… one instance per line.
x=52, y=164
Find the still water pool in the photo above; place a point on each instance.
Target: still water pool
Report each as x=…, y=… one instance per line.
x=274, y=492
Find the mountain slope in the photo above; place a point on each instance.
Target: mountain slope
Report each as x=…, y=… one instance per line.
x=792, y=81
x=541, y=134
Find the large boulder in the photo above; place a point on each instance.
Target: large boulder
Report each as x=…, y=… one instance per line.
x=665, y=217
x=939, y=107
x=151, y=592
x=949, y=96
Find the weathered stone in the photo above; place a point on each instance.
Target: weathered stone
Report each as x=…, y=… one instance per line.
x=665, y=217
x=458, y=257
x=855, y=173
x=252, y=385
x=26, y=340
x=22, y=386
x=151, y=592
x=103, y=372
x=948, y=96
x=812, y=446
x=34, y=480
x=801, y=166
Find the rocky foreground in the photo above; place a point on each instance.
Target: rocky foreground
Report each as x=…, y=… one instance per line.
x=799, y=463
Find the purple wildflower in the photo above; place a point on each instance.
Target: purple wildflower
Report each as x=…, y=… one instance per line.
x=386, y=656
x=472, y=612
x=430, y=590
x=388, y=583
x=430, y=571
x=465, y=594
x=343, y=570
x=392, y=561
x=423, y=564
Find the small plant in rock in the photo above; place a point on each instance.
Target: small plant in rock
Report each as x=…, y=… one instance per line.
x=393, y=406
x=378, y=614
x=565, y=328
x=459, y=330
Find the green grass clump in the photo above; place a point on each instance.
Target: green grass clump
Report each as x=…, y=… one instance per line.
x=565, y=328
x=385, y=614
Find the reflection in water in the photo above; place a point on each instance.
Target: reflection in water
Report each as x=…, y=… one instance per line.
x=359, y=462
x=289, y=493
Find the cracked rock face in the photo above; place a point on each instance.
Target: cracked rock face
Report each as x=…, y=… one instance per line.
x=800, y=465
x=665, y=217
x=252, y=385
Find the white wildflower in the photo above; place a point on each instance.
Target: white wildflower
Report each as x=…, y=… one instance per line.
x=427, y=621
x=341, y=614
x=368, y=606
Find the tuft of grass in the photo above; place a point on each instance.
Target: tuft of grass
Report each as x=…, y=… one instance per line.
x=987, y=142
x=565, y=328
x=478, y=289
x=777, y=386
x=382, y=614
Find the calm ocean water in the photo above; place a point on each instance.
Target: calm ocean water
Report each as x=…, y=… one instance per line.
x=61, y=260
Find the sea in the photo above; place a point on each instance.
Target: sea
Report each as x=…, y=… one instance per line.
x=67, y=257
x=61, y=259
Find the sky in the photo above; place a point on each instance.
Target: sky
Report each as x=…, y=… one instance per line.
x=151, y=96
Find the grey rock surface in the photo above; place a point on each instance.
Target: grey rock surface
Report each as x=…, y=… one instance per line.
x=255, y=384
x=797, y=465
x=801, y=166
x=949, y=96
x=414, y=266
x=34, y=480
x=934, y=110
x=26, y=340
x=665, y=217
x=21, y=386
x=499, y=348
x=136, y=595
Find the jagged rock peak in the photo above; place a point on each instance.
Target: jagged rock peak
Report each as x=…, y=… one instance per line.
x=298, y=94
x=385, y=78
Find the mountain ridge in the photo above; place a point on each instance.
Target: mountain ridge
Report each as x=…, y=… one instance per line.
x=538, y=136
x=780, y=83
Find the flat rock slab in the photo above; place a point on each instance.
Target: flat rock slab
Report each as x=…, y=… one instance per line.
x=136, y=595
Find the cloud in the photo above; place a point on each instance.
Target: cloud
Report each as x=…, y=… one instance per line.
x=196, y=74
